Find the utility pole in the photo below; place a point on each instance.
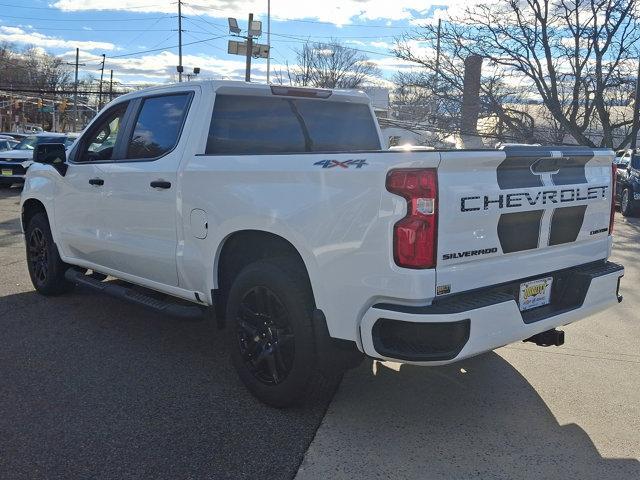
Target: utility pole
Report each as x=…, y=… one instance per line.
x=75, y=89
x=435, y=81
x=111, y=86
x=179, y=40
x=247, y=73
x=101, y=77
x=54, y=123
x=268, y=38
x=636, y=113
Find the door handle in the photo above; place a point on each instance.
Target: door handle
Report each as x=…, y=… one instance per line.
x=160, y=184
x=96, y=181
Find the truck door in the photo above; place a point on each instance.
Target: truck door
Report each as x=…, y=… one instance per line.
x=140, y=203
x=77, y=205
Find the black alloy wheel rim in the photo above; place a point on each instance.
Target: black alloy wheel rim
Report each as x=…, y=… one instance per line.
x=265, y=336
x=39, y=255
x=625, y=200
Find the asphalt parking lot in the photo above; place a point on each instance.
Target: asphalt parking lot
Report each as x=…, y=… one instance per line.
x=95, y=388
x=91, y=387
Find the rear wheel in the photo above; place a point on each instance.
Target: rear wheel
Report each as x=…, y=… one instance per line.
x=46, y=269
x=626, y=203
x=269, y=315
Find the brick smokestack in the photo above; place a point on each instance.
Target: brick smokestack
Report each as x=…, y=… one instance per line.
x=471, y=102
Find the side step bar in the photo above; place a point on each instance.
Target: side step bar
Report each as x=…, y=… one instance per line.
x=186, y=312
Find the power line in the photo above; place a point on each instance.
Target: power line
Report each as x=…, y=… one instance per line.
x=24, y=29
x=59, y=9
x=223, y=28
x=297, y=39
x=143, y=32
x=214, y=25
x=197, y=25
x=344, y=26
x=167, y=47
x=131, y=19
x=316, y=21
x=208, y=42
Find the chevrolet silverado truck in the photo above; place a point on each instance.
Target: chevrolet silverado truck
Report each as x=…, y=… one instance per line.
x=281, y=211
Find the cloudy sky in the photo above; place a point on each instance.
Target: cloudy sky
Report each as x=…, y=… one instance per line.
x=139, y=37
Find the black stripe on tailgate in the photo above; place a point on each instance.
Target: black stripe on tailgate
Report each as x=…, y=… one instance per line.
x=566, y=224
x=519, y=231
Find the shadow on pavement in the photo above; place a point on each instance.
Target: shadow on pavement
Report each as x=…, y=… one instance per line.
x=476, y=419
x=14, y=191
x=95, y=388
x=10, y=229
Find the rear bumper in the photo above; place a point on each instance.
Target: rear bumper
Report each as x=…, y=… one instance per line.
x=468, y=324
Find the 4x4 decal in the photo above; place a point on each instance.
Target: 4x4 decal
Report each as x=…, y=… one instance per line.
x=359, y=163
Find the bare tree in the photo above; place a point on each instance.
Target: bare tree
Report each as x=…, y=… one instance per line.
x=576, y=55
x=422, y=97
x=332, y=65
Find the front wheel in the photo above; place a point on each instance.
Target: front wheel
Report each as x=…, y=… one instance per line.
x=626, y=204
x=269, y=315
x=46, y=269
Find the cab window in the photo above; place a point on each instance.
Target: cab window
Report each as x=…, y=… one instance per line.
x=158, y=126
x=101, y=140
x=243, y=124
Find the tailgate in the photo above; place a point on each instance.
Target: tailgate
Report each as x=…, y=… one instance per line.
x=519, y=212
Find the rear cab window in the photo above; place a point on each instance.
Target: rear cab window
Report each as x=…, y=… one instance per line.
x=244, y=124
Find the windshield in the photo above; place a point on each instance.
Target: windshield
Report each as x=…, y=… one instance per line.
x=29, y=143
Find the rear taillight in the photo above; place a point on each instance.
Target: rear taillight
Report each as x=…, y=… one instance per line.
x=414, y=237
x=614, y=174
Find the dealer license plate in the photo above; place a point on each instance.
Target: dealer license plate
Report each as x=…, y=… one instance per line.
x=7, y=172
x=535, y=293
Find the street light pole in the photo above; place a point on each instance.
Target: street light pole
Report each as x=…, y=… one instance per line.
x=179, y=40
x=247, y=73
x=268, y=38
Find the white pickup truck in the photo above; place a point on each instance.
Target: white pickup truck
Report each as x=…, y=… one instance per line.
x=280, y=208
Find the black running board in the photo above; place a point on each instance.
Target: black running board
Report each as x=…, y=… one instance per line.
x=185, y=312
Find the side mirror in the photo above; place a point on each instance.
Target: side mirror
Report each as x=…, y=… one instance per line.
x=53, y=154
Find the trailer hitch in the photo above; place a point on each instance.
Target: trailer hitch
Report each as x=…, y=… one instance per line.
x=546, y=339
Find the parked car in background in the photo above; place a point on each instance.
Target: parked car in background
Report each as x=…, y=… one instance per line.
x=6, y=144
x=30, y=128
x=14, y=163
x=627, y=164
x=15, y=135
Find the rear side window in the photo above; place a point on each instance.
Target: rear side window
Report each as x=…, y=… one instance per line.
x=260, y=125
x=158, y=126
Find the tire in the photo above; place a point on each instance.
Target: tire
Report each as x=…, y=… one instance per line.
x=626, y=204
x=269, y=322
x=46, y=269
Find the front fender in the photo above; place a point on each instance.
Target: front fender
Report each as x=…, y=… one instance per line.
x=40, y=185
